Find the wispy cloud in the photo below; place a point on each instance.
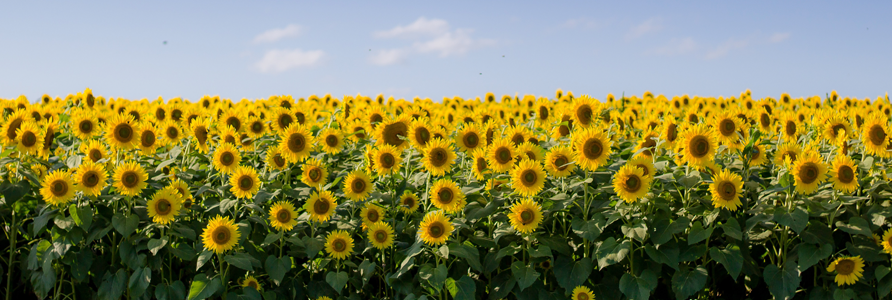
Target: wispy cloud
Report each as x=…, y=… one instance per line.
x=779, y=37
x=675, y=47
x=423, y=27
x=276, y=34
x=729, y=45
x=649, y=26
x=275, y=61
x=388, y=57
x=430, y=36
x=583, y=23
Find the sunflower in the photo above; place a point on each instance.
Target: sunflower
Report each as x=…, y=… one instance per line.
x=438, y=157
x=244, y=182
x=228, y=135
x=532, y=151
x=726, y=124
x=29, y=138
x=183, y=189
x=339, y=244
x=200, y=130
x=12, y=124
x=408, y=202
x=584, y=111
x=525, y=215
x=94, y=150
x=381, y=235
x=560, y=161
x=435, y=228
x=834, y=124
x=275, y=160
x=220, y=235
x=84, y=124
x=57, y=188
x=130, y=178
x=809, y=172
x=875, y=135
x=844, y=174
x=758, y=155
x=164, y=205
x=148, y=138
x=887, y=241
x=698, y=143
x=358, y=130
x=648, y=143
x=331, y=140
x=592, y=148
x=480, y=165
x=91, y=178
x=645, y=164
x=120, y=132
x=528, y=178
x=171, y=132
x=669, y=134
x=420, y=133
x=393, y=132
x=469, y=138
x=295, y=144
x=282, y=216
x=250, y=281
x=370, y=214
x=226, y=158
x=582, y=293
x=357, y=186
x=446, y=195
x=501, y=155
x=386, y=159
x=281, y=118
x=726, y=189
x=790, y=127
x=848, y=269
x=630, y=183
x=321, y=206
x=517, y=134
x=788, y=149
x=314, y=173
x=256, y=127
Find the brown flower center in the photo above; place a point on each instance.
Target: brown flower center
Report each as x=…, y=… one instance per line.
x=297, y=142
x=162, y=206
x=584, y=114
x=284, y=120
x=373, y=216
x=560, y=162
x=436, y=230
x=526, y=216
x=438, y=157
x=543, y=113
x=283, y=216
x=877, y=135
x=13, y=126
x=648, y=144
x=471, y=140
x=643, y=168
x=699, y=146
x=845, y=174
x=147, y=138
x=375, y=119
x=480, y=164
x=633, y=184
x=791, y=154
x=123, y=133
x=29, y=139
x=387, y=160
x=95, y=155
x=503, y=155
x=257, y=127
x=837, y=127
x=671, y=132
x=358, y=186
x=245, y=183
x=59, y=188
x=234, y=122
x=727, y=191
x=279, y=160
x=339, y=245
x=130, y=179
x=408, y=202
x=529, y=178
x=331, y=141
x=393, y=132
x=86, y=126
x=764, y=120
x=727, y=127
x=201, y=134
x=321, y=206
x=808, y=173
x=593, y=148
x=445, y=195
x=90, y=179
x=221, y=235
x=790, y=128
x=380, y=236
x=173, y=133
x=315, y=174
x=227, y=158
x=845, y=267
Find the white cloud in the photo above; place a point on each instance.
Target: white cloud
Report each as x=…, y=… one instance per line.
x=649, y=26
x=452, y=43
x=420, y=28
x=276, y=34
x=388, y=57
x=676, y=47
x=584, y=23
x=726, y=47
x=275, y=61
x=779, y=37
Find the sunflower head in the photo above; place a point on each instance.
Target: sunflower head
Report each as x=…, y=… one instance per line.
x=251, y=282
x=282, y=216
x=582, y=293
x=314, y=173
x=91, y=178
x=525, y=215
x=130, y=178
x=296, y=142
x=438, y=157
x=645, y=164
x=339, y=244
x=331, y=140
x=357, y=186
x=844, y=174
x=84, y=124
x=446, y=195
x=630, y=183
x=560, y=161
x=875, y=135
x=408, y=202
x=501, y=155
x=200, y=131
x=435, y=228
x=371, y=214
x=809, y=171
x=592, y=148
x=148, y=138
x=164, y=205
x=220, y=235
x=57, y=188
x=848, y=269
x=275, y=160
x=698, y=144
x=244, y=181
x=469, y=138
x=321, y=205
x=528, y=178
x=393, y=132
x=120, y=132
x=386, y=159
x=726, y=190
x=29, y=138
x=380, y=234
x=226, y=158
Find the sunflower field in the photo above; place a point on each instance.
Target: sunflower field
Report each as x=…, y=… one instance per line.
x=528, y=197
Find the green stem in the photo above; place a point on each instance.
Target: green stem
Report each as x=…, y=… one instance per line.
x=12, y=247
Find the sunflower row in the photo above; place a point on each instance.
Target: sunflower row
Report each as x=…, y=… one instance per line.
x=320, y=197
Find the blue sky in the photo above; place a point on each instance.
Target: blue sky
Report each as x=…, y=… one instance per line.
x=466, y=48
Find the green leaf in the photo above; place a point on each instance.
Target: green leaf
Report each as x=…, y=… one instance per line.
x=451, y=287
x=524, y=274
x=730, y=258
x=125, y=225
x=175, y=291
x=14, y=192
x=467, y=289
x=856, y=225
x=82, y=216
x=666, y=254
x=686, y=282
x=312, y=246
x=638, y=287
x=698, y=234
x=501, y=285
x=113, y=285
x=817, y=233
x=203, y=258
x=844, y=294
x=782, y=283
x=468, y=254
x=579, y=271
x=336, y=280
x=796, y=219
x=242, y=261
x=367, y=269
x=691, y=252
x=691, y=180
x=732, y=229
x=809, y=254
x=663, y=229
x=139, y=281
x=156, y=244
x=589, y=230
x=203, y=287
x=637, y=231
x=884, y=285
x=277, y=267
x=610, y=252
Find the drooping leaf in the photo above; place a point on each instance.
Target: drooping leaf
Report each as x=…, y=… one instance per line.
x=686, y=281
